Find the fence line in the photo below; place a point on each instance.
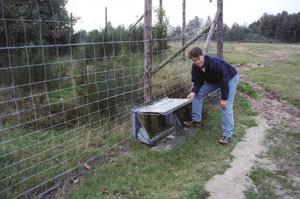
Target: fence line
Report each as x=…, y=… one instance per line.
x=65, y=98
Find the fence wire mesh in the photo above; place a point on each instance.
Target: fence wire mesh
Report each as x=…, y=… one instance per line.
x=66, y=97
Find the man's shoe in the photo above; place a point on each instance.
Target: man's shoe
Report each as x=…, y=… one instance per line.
x=192, y=123
x=224, y=140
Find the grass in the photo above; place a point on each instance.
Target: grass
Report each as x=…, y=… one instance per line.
x=178, y=173
x=183, y=171
x=280, y=76
x=279, y=82
x=247, y=89
x=281, y=72
x=140, y=172
x=79, y=129
x=37, y=157
x=283, y=148
x=265, y=187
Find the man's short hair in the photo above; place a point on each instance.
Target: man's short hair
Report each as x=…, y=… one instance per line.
x=195, y=52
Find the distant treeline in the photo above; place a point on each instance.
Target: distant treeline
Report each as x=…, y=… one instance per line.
x=283, y=27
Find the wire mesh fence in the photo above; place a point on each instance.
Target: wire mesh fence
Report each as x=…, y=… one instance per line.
x=65, y=97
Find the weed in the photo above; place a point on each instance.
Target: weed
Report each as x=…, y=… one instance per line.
x=247, y=89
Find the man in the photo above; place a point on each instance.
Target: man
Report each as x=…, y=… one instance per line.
x=208, y=74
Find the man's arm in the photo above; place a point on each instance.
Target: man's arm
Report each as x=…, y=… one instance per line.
x=223, y=103
x=225, y=79
x=191, y=95
x=197, y=80
x=220, y=63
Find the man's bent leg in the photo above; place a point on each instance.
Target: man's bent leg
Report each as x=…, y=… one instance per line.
x=227, y=113
x=198, y=100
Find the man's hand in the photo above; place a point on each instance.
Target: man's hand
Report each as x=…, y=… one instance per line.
x=223, y=103
x=191, y=95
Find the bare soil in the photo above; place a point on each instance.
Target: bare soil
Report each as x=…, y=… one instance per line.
x=169, y=142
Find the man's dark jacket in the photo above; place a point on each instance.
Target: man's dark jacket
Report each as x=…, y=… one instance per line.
x=217, y=71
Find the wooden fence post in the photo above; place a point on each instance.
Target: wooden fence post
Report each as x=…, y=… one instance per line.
x=220, y=35
x=105, y=17
x=147, y=57
x=211, y=32
x=183, y=29
x=147, y=50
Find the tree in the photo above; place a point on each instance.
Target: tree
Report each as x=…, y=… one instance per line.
x=160, y=29
x=176, y=32
x=30, y=19
x=208, y=21
x=282, y=27
x=268, y=25
x=253, y=28
x=236, y=32
x=32, y=23
x=194, y=26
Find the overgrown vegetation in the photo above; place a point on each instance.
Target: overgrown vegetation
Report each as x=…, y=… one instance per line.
x=65, y=98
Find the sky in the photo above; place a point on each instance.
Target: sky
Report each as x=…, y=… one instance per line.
x=126, y=12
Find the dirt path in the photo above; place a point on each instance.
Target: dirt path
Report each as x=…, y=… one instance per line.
x=274, y=113
x=235, y=180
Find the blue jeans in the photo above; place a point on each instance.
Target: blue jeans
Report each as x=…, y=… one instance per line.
x=227, y=113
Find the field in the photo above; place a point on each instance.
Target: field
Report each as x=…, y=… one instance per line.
x=84, y=116
x=182, y=172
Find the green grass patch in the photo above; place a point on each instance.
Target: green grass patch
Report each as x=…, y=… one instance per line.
x=261, y=179
x=283, y=81
x=247, y=89
x=245, y=105
x=281, y=72
x=178, y=173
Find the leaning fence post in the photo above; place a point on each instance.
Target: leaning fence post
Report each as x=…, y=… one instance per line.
x=190, y=42
x=147, y=55
x=211, y=32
